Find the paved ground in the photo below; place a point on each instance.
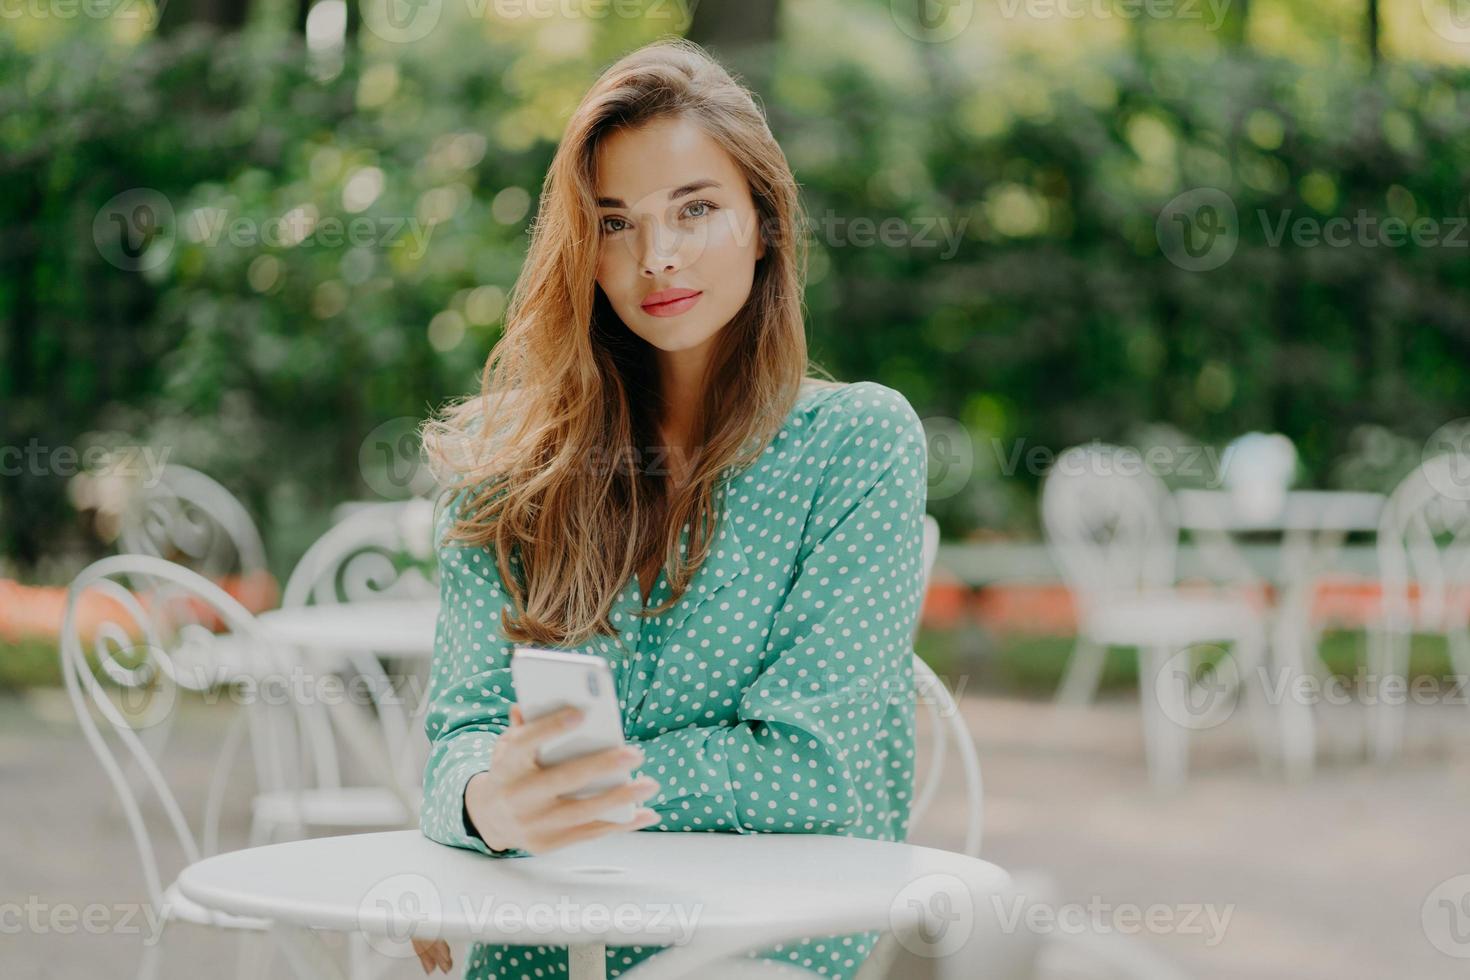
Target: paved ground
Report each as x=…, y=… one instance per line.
x=1322, y=879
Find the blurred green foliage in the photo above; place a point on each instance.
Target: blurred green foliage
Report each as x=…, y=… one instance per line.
x=1025, y=294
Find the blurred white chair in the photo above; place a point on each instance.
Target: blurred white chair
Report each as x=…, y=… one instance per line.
x=1013, y=933
x=997, y=949
x=361, y=559
x=1112, y=531
x=947, y=725
x=1424, y=574
x=135, y=646
x=190, y=519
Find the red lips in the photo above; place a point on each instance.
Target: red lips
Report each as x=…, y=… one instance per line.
x=670, y=302
x=667, y=296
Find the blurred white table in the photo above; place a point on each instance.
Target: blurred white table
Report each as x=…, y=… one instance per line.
x=395, y=628
x=1312, y=525
x=359, y=632
x=1312, y=511
x=708, y=895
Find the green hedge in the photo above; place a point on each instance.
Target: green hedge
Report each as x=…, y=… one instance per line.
x=1053, y=318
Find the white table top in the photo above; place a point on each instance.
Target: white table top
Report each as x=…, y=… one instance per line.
x=1301, y=510
x=647, y=883
x=402, y=628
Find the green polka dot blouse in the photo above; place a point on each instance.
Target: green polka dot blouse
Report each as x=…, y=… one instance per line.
x=775, y=697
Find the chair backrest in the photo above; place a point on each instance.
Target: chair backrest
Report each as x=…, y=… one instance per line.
x=363, y=557
x=1109, y=522
x=371, y=554
x=948, y=726
x=1424, y=543
x=188, y=518
x=143, y=646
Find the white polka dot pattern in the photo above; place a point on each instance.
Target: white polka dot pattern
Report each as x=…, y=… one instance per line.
x=777, y=696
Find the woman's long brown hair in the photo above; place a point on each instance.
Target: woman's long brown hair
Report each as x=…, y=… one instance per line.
x=550, y=450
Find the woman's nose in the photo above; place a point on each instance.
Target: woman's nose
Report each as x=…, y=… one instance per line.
x=660, y=252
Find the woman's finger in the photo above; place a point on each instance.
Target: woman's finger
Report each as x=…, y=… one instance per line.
x=543, y=786
x=423, y=955
x=535, y=732
x=572, y=813
x=445, y=958
x=600, y=828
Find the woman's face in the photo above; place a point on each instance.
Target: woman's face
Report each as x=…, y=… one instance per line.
x=680, y=233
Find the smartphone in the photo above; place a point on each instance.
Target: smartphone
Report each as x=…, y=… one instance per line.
x=548, y=680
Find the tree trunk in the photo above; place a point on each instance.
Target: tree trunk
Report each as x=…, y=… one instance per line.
x=226, y=15
x=742, y=35
x=1374, y=38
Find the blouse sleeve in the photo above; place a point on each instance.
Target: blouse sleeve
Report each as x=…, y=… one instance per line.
x=823, y=737
x=470, y=691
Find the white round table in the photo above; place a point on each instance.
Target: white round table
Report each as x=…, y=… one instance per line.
x=397, y=628
x=1312, y=525
x=711, y=894
x=402, y=628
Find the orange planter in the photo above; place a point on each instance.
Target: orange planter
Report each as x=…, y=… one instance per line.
x=35, y=612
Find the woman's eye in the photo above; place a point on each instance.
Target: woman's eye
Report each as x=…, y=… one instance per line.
x=701, y=207
x=612, y=223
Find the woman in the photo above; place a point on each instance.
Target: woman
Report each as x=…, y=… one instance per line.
x=649, y=476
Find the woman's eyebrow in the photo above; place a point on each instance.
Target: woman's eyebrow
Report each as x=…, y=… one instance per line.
x=675, y=194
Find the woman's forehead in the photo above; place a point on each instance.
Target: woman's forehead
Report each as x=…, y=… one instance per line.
x=641, y=166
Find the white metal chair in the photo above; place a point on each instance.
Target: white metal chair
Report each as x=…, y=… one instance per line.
x=1002, y=951
x=136, y=647
x=190, y=519
x=1111, y=529
x=948, y=726
x=1424, y=574
x=359, y=559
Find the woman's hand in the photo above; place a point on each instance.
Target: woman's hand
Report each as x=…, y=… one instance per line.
x=433, y=954
x=515, y=804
